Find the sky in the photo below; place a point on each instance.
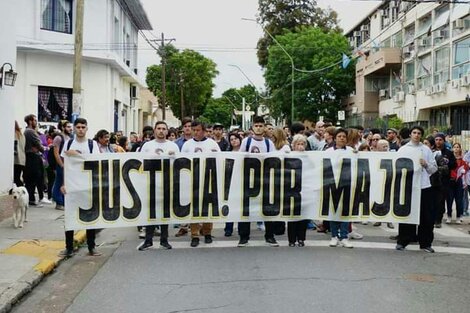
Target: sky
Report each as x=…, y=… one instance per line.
x=215, y=29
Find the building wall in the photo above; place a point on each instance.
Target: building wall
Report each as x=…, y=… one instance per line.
x=7, y=94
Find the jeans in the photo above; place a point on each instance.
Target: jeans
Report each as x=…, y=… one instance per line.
x=33, y=176
x=90, y=239
x=455, y=193
x=18, y=170
x=57, y=195
x=339, y=229
x=150, y=230
x=228, y=228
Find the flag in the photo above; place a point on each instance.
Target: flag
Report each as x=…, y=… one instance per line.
x=346, y=60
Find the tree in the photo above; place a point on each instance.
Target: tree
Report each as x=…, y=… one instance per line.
x=218, y=111
x=317, y=93
x=281, y=16
x=189, y=77
x=248, y=92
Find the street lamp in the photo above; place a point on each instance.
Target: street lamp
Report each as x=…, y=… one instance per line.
x=290, y=58
x=251, y=82
x=7, y=78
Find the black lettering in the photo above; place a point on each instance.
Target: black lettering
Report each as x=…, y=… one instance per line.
x=152, y=166
x=91, y=214
x=134, y=211
x=178, y=209
x=111, y=213
x=362, y=192
x=330, y=189
x=251, y=186
x=292, y=191
x=196, y=184
x=210, y=193
x=403, y=209
x=166, y=189
x=382, y=209
x=271, y=165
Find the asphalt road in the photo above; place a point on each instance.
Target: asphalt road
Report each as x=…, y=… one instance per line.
x=223, y=278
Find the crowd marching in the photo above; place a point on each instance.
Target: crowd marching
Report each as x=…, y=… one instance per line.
x=445, y=177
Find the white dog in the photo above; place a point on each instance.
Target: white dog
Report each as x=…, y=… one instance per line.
x=20, y=205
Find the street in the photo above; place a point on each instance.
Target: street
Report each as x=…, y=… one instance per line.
x=223, y=278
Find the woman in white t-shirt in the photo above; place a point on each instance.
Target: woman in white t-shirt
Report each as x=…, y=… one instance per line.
x=280, y=140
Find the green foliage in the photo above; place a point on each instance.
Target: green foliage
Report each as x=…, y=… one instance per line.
x=235, y=96
x=395, y=122
x=281, y=16
x=318, y=93
x=388, y=122
x=188, y=73
x=218, y=111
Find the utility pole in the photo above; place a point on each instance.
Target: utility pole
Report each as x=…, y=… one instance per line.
x=77, y=99
x=163, y=57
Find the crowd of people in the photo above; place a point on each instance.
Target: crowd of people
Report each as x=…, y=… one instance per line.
x=444, y=176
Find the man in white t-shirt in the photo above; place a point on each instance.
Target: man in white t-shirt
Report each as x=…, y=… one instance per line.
x=73, y=147
x=200, y=144
x=257, y=144
x=159, y=146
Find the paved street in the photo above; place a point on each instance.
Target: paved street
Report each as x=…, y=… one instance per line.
x=223, y=278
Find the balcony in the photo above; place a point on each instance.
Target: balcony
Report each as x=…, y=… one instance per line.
x=380, y=62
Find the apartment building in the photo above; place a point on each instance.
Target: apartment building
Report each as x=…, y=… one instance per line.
x=45, y=32
x=414, y=64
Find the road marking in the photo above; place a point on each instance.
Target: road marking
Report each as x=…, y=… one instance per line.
x=309, y=243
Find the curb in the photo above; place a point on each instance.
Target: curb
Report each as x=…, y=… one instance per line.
x=32, y=278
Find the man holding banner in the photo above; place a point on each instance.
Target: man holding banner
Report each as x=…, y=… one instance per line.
x=200, y=144
x=406, y=232
x=159, y=146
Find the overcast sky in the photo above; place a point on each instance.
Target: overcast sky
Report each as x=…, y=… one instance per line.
x=215, y=29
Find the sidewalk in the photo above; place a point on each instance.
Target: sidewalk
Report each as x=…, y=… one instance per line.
x=28, y=254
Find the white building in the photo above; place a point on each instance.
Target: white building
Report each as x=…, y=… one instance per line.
x=415, y=65
x=45, y=52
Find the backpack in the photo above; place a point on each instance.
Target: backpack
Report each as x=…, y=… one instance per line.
x=90, y=145
x=248, y=143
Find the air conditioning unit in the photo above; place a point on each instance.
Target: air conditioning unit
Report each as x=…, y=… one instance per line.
x=442, y=33
x=364, y=28
x=411, y=89
x=423, y=42
x=464, y=80
x=382, y=93
x=459, y=23
x=455, y=83
x=357, y=34
x=401, y=96
x=428, y=91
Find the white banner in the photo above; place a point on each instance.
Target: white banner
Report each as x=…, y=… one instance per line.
x=137, y=189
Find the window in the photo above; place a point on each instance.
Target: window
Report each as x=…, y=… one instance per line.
x=56, y=15
x=461, y=58
x=397, y=40
x=54, y=104
x=410, y=72
x=424, y=25
x=409, y=35
x=423, y=71
x=441, y=65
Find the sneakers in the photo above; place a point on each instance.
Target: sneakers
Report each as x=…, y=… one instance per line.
x=345, y=243
x=142, y=234
x=459, y=221
x=145, y=246
x=93, y=252
x=364, y=223
x=291, y=244
x=207, y=239
x=181, y=232
x=272, y=242
x=301, y=243
x=400, y=247
x=390, y=225
x=355, y=235
x=165, y=245
x=448, y=220
x=243, y=243
x=377, y=224
x=66, y=253
x=428, y=250
x=36, y=204
x=194, y=242
x=45, y=201
x=228, y=234
x=334, y=242
x=59, y=207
